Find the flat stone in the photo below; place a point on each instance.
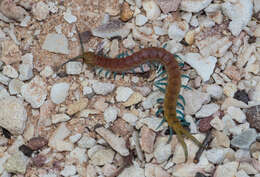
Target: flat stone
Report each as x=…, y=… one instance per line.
x=177, y=30
x=162, y=149
x=73, y=68
x=103, y=88
x=57, y=118
x=207, y=110
x=133, y=99
x=236, y=114
x=245, y=139
x=77, y=106
x=110, y=114
x=123, y=93
x=130, y=118
x=194, y=5
x=168, y=5
x=78, y=155
x=68, y=170
x=131, y=171
x=147, y=139
x=253, y=117
x=152, y=170
x=10, y=52
x=4, y=80
x=152, y=123
x=35, y=92
x=117, y=143
x=239, y=12
x=59, y=92
x=216, y=155
x=86, y=142
x=102, y=157
x=140, y=20
x=152, y=10
x=203, y=65
x=9, y=71
x=26, y=72
x=69, y=17
x=228, y=169
x=57, y=43
x=151, y=100
x=13, y=115
x=40, y=10
x=16, y=163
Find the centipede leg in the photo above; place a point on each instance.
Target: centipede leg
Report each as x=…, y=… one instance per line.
x=186, y=133
x=161, y=123
x=158, y=112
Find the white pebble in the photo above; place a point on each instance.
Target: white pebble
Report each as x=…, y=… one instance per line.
x=69, y=17
x=130, y=118
x=140, y=20
x=59, y=92
x=57, y=118
x=68, y=170
x=236, y=114
x=46, y=72
x=73, y=67
x=103, y=88
x=9, y=71
x=123, y=93
x=152, y=10
x=207, y=110
x=215, y=91
x=110, y=114
x=57, y=43
x=25, y=71
x=177, y=30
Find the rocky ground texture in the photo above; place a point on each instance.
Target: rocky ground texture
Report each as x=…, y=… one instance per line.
x=77, y=122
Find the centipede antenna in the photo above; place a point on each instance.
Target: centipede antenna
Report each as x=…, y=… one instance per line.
x=161, y=123
x=162, y=79
x=80, y=40
x=123, y=75
x=70, y=60
x=159, y=69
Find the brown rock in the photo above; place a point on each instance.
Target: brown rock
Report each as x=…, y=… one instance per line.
x=147, y=139
x=204, y=124
x=39, y=160
x=168, y=5
x=36, y=143
x=11, y=11
x=233, y=73
x=10, y=52
x=253, y=117
x=126, y=13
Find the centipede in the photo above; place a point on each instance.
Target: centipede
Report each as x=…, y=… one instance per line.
x=173, y=102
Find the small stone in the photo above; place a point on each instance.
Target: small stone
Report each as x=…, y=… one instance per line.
x=135, y=98
x=59, y=92
x=152, y=123
x=152, y=10
x=196, y=100
x=190, y=37
x=233, y=73
x=177, y=30
x=86, y=142
x=74, y=138
x=114, y=49
x=230, y=89
x=245, y=139
x=73, y=68
x=129, y=43
x=215, y=91
x=117, y=143
x=103, y=88
x=40, y=10
x=110, y=114
x=78, y=155
x=39, y=160
x=220, y=140
x=228, y=169
x=25, y=71
x=12, y=11
x=10, y=52
x=204, y=124
x=57, y=118
x=207, y=110
x=57, y=43
x=151, y=100
x=69, y=17
x=217, y=123
x=37, y=143
x=131, y=171
x=152, y=170
x=253, y=117
x=68, y=170
x=241, y=173
x=102, y=157
x=168, y=5
x=16, y=163
x=242, y=155
x=147, y=139
x=216, y=155
x=159, y=31
x=241, y=95
x=9, y=71
x=4, y=80
x=126, y=13
x=35, y=92
x=88, y=91
x=123, y=93
x=46, y=72
x=239, y=12
x=162, y=149
x=130, y=118
x=236, y=114
x=13, y=115
x=57, y=142
x=194, y=5
x=140, y=20
x=203, y=65
x=77, y=106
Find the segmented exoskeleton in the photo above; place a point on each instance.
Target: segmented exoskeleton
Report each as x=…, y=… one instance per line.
x=172, y=103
